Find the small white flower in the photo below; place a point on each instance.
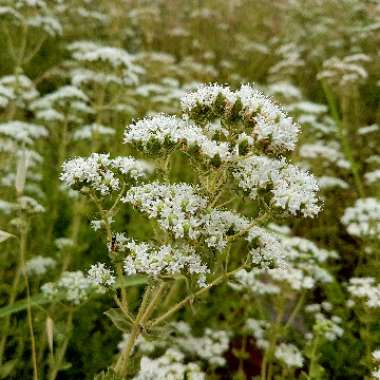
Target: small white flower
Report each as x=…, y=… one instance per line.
x=39, y=265
x=290, y=355
x=101, y=275
x=363, y=219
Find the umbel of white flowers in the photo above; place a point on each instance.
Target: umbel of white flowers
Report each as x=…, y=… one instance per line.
x=239, y=133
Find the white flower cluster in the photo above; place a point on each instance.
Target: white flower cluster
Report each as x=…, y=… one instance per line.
x=289, y=354
x=170, y=366
x=365, y=288
x=179, y=209
x=285, y=89
x=164, y=260
x=87, y=132
x=30, y=205
x=327, y=182
x=65, y=103
x=376, y=359
x=298, y=264
x=271, y=126
x=175, y=206
x=16, y=88
x=101, y=173
x=218, y=225
x=73, y=287
x=307, y=108
x=63, y=243
x=259, y=330
x=22, y=132
x=82, y=76
x=327, y=326
x=292, y=188
x=368, y=129
x=39, y=265
x=268, y=251
x=346, y=71
x=372, y=177
x=111, y=58
x=154, y=132
x=363, y=219
x=210, y=347
x=254, y=282
x=101, y=275
x=35, y=14
x=330, y=328
x=329, y=153
x=290, y=60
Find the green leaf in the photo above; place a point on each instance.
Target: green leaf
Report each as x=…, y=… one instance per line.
x=127, y=282
x=118, y=319
x=38, y=299
x=7, y=368
x=5, y=236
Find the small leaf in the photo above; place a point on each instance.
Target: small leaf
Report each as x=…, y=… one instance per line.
x=108, y=375
x=5, y=236
x=118, y=319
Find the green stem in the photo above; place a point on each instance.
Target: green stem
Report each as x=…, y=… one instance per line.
x=268, y=356
x=23, y=237
x=57, y=360
x=296, y=310
x=313, y=357
x=121, y=367
x=191, y=297
x=7, y=322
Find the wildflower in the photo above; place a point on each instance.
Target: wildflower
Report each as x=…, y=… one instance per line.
x=73, y=287
x=210, y=347
x=292, y=188
x=163, y=132
x=267, y=251
x=330, y=153
x=109, y=59
x=363, y=219
x=89, y=131
x=365, y=288
x=101, y=275
x=259, y=330
x=17, y=88
x=372, y=177
x=326, y=182
x=170, y=365
x=376, y=355
x=164, y=260
x=21, y=132
x=174, y=206
x=101, y=173
x=289, y=354
x=39, y=265
x=346, y=71
x=269, y=123
x=217, y=225
x=63, y=243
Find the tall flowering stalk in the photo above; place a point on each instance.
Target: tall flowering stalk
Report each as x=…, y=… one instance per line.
x=235, y=143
